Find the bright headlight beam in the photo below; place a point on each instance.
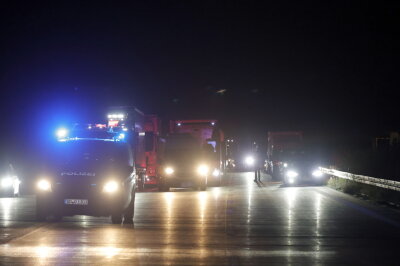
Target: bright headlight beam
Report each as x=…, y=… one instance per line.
x=216, y=173
x=44, y=185
x=202, y=169
x=317, y=173
x=6, y=182
x=169, y=170
x=110, y=187
x=292, y=174
x=249, y=160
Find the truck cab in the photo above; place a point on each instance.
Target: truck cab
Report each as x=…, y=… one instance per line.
x=184, y=164
x=278, y=143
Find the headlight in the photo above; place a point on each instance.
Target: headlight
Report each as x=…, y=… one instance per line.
x=110, y=187
x=216, y=172
x=292, y=174
x=317, y=173
x=285, y=165
x=202, y=169
x=169, y=170
x=6, y=182
x=249, y=160
x=44, y=185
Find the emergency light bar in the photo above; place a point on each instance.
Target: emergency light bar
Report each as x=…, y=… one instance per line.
x=61, y=133
x=74, y=139
x=116, y=116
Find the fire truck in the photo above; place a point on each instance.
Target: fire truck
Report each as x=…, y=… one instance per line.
x=143, y=132
x=208, y=136
x=279, y=144
x=154, y=149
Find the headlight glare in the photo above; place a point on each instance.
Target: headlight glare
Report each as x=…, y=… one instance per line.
x=216, y=173
x=317, y=173
x=110, y=187
x=6, y=182
x=291, y=174
x=44, y=185
x=202, y=169
x=249, y=160
x=169, y=170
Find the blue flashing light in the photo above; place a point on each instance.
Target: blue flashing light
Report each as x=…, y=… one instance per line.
x=62, y=133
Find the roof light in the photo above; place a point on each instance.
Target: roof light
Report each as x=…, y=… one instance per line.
x=62, y=133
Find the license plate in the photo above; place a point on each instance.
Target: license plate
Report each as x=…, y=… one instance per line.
x=76, y=201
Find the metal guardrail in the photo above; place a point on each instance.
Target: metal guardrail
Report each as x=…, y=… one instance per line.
x=383, y=183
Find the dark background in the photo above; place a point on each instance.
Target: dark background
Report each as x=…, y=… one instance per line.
x=330, y=69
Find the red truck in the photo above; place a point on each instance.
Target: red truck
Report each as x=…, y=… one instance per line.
x=144, y=133
x=280, y=143
x=191, y=145
x=154, y=149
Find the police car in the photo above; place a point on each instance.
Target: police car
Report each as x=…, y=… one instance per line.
x=88, y=176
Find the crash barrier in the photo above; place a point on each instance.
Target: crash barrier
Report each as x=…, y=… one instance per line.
x=378, y=182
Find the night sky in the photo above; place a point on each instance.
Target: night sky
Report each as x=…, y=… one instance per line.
x=317, y=66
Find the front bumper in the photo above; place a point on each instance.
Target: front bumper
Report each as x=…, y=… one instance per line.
x=93, y=202
x=184, y=180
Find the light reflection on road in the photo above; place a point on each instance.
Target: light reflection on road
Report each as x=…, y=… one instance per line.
x=243, y=224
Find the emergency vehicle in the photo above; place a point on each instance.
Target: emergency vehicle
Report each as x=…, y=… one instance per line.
x=202, y=141
x=143, y=132
x=87, y=175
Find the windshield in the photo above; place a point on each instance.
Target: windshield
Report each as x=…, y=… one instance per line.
x=181, y=143
x=92, y=151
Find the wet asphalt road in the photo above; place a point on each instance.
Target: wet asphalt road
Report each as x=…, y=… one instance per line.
x=237, y=224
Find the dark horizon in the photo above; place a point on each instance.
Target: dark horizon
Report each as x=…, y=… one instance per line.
x=315, y=67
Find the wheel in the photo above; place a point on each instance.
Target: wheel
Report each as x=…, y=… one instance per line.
x=130, y=211
x=275, y=174
x=141, y=181
x=163, y=186
x=203, y=186
x=268, y=169
x=41, y=213
x=116, y=218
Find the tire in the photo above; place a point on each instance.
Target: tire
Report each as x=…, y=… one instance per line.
x=203, y=186
x=275, y=174
x=130, y=211
x=116, y=218
x=141, y=181
x=268, y=169
x=41, y=213
x=163, y=187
